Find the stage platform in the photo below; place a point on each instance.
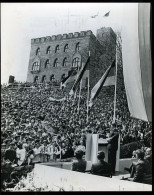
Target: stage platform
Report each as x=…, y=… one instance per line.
x=55, y=178
x=67, y=165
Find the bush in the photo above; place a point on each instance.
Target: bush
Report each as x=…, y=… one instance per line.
x=127, y=149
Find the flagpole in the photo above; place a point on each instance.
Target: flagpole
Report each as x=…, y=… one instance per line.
x=76, y=89
x=80, y=93
x=115, y=90
x=88, y=97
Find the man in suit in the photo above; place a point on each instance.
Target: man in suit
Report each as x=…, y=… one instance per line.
x=101, y=168
x=112, y=147
x=80, y=165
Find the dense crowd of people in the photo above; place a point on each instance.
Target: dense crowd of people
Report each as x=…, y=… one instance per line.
x=35, y=128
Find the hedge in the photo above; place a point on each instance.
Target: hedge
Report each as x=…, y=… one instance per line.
x=127, y=149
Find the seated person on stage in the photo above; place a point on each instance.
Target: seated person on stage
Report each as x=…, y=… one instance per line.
x=80, y=165
x=140, y=171
x=134, y=154
x=148, y=155
x=101, y=168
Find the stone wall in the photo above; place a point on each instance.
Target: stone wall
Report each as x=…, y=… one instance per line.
x=45, y=42
x=102, y=52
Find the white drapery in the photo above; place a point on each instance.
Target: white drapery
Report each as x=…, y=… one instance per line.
x=137, y=60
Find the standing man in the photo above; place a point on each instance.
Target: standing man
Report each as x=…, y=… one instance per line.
x=112, y=147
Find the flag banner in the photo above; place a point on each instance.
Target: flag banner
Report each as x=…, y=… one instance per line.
x=110, y=80
x=77, y=82
x=57, y=100
x=69, y=78
x=96, y=89
x=137, y=67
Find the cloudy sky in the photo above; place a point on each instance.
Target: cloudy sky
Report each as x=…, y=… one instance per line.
x=21, y=22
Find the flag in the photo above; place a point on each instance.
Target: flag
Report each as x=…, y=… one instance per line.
x=110, y=80
x=77, y=82
x=69, y=78
x=96, y=89
x=107, y=14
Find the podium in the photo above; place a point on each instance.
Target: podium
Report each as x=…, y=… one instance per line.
x=94, y=144
x=102, y=146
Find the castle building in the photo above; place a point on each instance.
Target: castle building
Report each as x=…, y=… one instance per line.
x=52, y=57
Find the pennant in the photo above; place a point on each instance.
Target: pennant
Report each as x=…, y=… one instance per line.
x=107, y=14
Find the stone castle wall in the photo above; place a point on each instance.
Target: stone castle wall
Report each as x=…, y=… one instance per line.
x=102, y=53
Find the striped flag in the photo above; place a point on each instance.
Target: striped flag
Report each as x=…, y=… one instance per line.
x=69, y=78
x=110, y=80
x=96, y=89
x=77, y=82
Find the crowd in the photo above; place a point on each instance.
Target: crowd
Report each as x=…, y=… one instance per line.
x=36, y=129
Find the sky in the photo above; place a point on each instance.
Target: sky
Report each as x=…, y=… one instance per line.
x=20, y=22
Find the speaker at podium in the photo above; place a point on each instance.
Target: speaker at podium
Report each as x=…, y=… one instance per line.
x=94, y=144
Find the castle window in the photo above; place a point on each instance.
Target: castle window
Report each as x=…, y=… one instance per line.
x=57, y=49
x=38, y=51
x=66, y=48
x=36, y=79
x=65, y=62
x=77, y=48
x=49, y=50
x=43, y=79
x=35, y=66
x=55, y=63
x=52, y=78
x=47, y=63
x=76, y=62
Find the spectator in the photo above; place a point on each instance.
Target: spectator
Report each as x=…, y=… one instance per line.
x=101, y=168
x=141, y=170
x=10, y=153
x=80, y=165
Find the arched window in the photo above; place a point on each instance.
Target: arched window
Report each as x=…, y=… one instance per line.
x=57, y=49
x=43, y=79
x=52, y=78
x=35, y=66
x=47, y=63
x=66, y=48
x=65, y=62
x=56, y=63
x=49, y=50
x=38, y=51
x=76, y=62
x=77, y=47
x=36, y=79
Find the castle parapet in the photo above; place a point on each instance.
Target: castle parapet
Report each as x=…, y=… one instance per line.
x=76, y=34
x=60, y=37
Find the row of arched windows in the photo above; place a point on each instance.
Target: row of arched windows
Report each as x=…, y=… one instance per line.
x=52, y=78
x=75, y=63
x=57, y=48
